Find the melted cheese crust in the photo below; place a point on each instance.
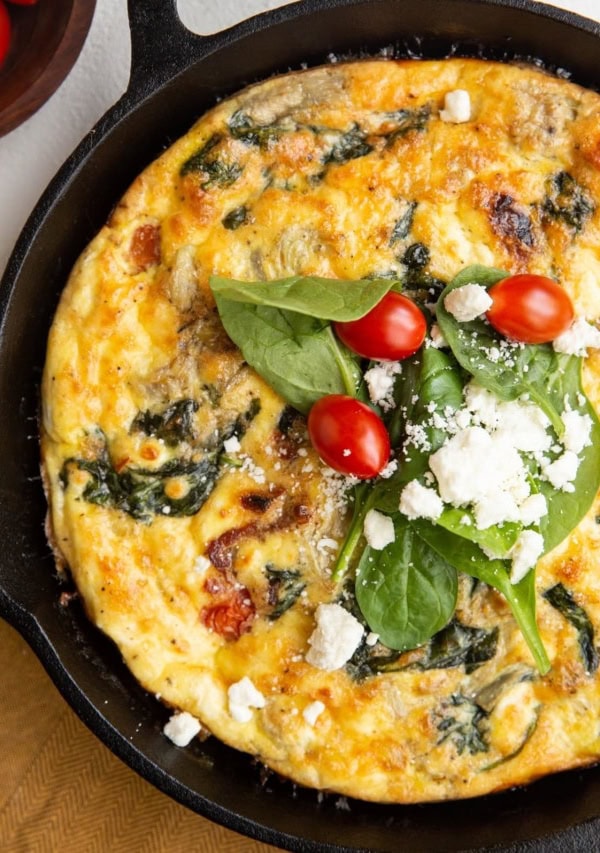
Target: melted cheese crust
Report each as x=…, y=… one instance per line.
x=335, y=171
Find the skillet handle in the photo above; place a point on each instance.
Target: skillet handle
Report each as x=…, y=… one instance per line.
x=161, y=46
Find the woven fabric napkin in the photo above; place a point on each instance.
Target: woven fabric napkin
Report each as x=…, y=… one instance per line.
x=62, y=790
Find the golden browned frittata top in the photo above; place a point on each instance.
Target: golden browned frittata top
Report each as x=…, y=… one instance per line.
x=185, y=498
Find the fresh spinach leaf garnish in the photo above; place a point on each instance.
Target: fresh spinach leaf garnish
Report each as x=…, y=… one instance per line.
x=218, y=172
x=322, y=298
x=298, y=355
x=566, y=201
x=407, y=591
x=562, y=600
x=508, y=370
x=468, y=557
x=464, y=724
x=173, y=425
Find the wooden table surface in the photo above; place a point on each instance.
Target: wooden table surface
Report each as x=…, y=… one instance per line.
x=62, y=790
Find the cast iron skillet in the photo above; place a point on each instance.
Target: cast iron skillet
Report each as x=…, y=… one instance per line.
x=175, y=76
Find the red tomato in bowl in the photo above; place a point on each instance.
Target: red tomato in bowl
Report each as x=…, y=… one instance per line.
x=394, y=329
x=532, y=309
x=349, y=436
x=4, y=32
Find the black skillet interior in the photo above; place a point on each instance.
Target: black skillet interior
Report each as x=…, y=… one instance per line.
x=175, y=77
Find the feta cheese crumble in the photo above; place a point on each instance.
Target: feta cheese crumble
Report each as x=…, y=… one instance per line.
x=232, y=444
x=243, y=696
x=438, y=341
x=380, y=383
x=580, y=336
x=417, y=501
x=378, y=529
x=578, y=430
x=313, y=711
x=182, y=728
x=525, y=552
x=201, y=564
x=562, y=471
x=533, y=509
x=335, y=638
x=468, y=302
x=457, y=107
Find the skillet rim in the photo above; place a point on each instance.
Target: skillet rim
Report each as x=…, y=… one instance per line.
x=22, y=619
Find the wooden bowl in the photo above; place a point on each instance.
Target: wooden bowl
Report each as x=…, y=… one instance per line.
x=46, y=41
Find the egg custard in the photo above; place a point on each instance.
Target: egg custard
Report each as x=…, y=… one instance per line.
x=185, y=498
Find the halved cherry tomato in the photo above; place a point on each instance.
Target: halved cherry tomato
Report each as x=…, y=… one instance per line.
x=395, y=328
x=349, y=436
x=4, y=32
x=530, y=308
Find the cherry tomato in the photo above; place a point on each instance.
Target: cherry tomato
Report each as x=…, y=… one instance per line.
x=395, y=328
x=4, y=32
x=349, y=436
x=529, y=308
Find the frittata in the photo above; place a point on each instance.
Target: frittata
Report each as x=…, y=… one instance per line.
x=185, y=498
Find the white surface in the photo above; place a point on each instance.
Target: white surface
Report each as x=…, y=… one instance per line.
x=31, y=154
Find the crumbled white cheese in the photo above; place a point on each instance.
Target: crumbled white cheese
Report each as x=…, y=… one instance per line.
x=523, y=425
x=372, y=638
x=533, y=509
x=495, y=509
x=457, y=107
x=335, y=639
x=243, y=696
x=313, y=711
x=389, y=469
x=378, y=529
x=201, y=564
x=578, y=430
x=232, y=444
x=524, y=553
x=472, y=464
x=326, y=544
x=418, y=501
x=438, y=341
x=467, y=302
x=380, y=383
x=182, y=728
x=562, y=471
x=580, y=336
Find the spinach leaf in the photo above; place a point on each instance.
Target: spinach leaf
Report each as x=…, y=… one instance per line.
x=243, y=128
x=464, y=724
x=285, y=587
x=173, y=425
x=326, y=298
x=468, y=557
x=508, y=370
x=459, y=644
x=218, y=172
x=141, y=492
x=297, y=355
x=566, y=509
x=562, y=600
x=566, y=201
x=496, y=539
x=406, y=591
x=403, y=225
x=350, y=145
x=529, y=731
x=236, y=217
